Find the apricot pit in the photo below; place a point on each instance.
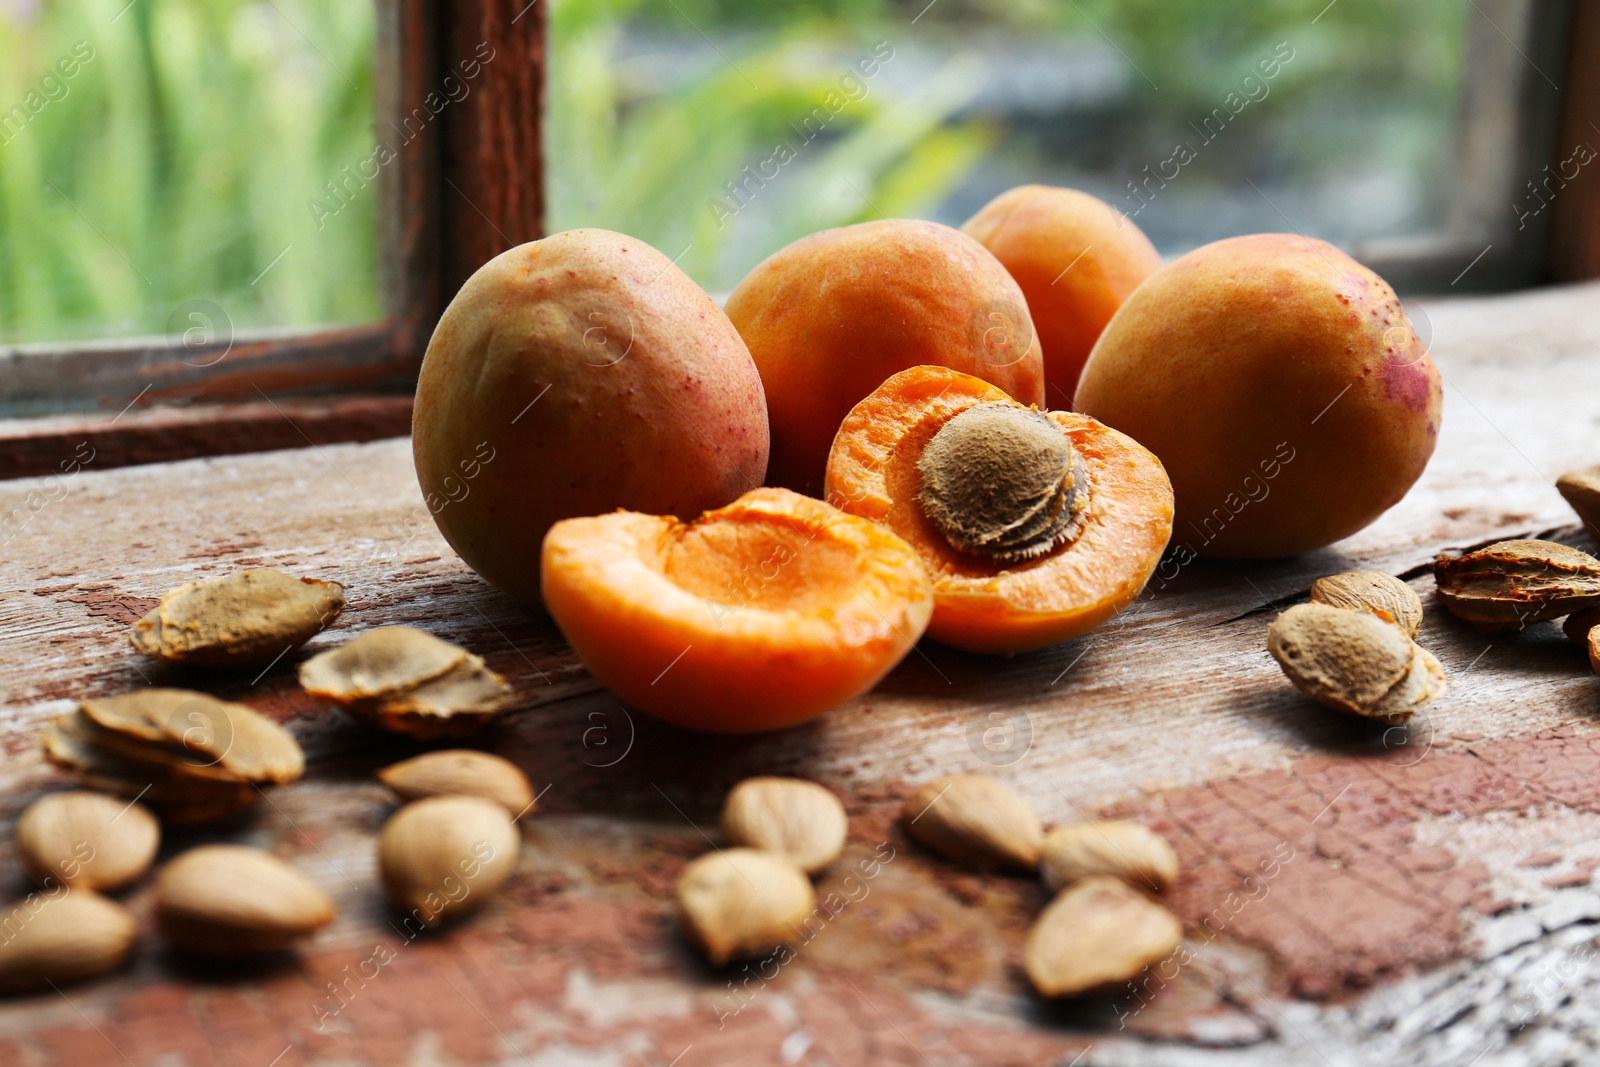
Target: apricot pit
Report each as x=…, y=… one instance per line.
x=1002, y=481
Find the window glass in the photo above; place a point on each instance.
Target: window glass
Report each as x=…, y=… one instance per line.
x=169, y=166
x=719, y=130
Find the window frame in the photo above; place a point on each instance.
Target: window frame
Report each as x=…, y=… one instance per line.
x=470, y=185
x=1510, y=115
x=473, y=172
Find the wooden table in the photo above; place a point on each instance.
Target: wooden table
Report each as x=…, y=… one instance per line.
x=1429, y=900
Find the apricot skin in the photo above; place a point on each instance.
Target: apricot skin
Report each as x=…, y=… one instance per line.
x=1282, y=386
x=981, y=605
x=832, y=315
x=1076, y=259
x=757, y=616
x=572, y=376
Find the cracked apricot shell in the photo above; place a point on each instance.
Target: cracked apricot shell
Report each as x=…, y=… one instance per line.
x=982, y=605
x=246, y=619
x=756, y=616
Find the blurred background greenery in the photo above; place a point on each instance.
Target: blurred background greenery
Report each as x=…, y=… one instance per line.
x=177, y=163
x=182, y=159
x=656, y=105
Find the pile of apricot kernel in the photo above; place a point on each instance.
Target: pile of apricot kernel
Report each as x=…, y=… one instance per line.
x=756, y=616
x=1076, y=258
x=832, y=315
x=1036, y=526
x=558, y=382
x=1281, y=384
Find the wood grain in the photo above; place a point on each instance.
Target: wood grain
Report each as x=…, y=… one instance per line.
x=50, y=445
x=1437, y=905
x=1573, y=242
x=492, y=153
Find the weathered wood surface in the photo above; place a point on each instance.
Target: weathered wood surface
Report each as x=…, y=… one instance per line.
x=1422, y=897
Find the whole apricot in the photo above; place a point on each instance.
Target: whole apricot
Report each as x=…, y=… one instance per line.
x=1282, y=386
x=832, y=315
x=755, y=616
x=572, y=376
x=1076, y=258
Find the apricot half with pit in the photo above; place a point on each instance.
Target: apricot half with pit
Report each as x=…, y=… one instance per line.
x=1281, y=384
x=1076, y=258
x=572, y=376
x=755, y=616
x=1036, y=526
x=832, y=315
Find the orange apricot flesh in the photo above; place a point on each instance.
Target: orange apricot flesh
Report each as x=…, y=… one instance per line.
x=982, y=605
x=756, y=616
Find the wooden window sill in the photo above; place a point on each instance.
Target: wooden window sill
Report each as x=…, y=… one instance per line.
x=49, y=444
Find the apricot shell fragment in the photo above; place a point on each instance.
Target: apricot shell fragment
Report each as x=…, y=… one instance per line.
x=408, y=681
x=1511, y=584
x=755, y=616
x=243, y=620
x=192, y=757
x=377, y=663
x=983, y=605
x=237, y=739
x=180, y=803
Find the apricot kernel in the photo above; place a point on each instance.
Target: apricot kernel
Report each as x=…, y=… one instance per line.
x=1098, y=933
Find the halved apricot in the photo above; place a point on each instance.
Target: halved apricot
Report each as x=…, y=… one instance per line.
x=756, y=616
x=1029, y=541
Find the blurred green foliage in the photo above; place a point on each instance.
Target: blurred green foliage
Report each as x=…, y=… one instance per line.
x=1372, y=88
x=659, y=167
x=178, y=161
x=1362, y=66
x=1192, y=49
